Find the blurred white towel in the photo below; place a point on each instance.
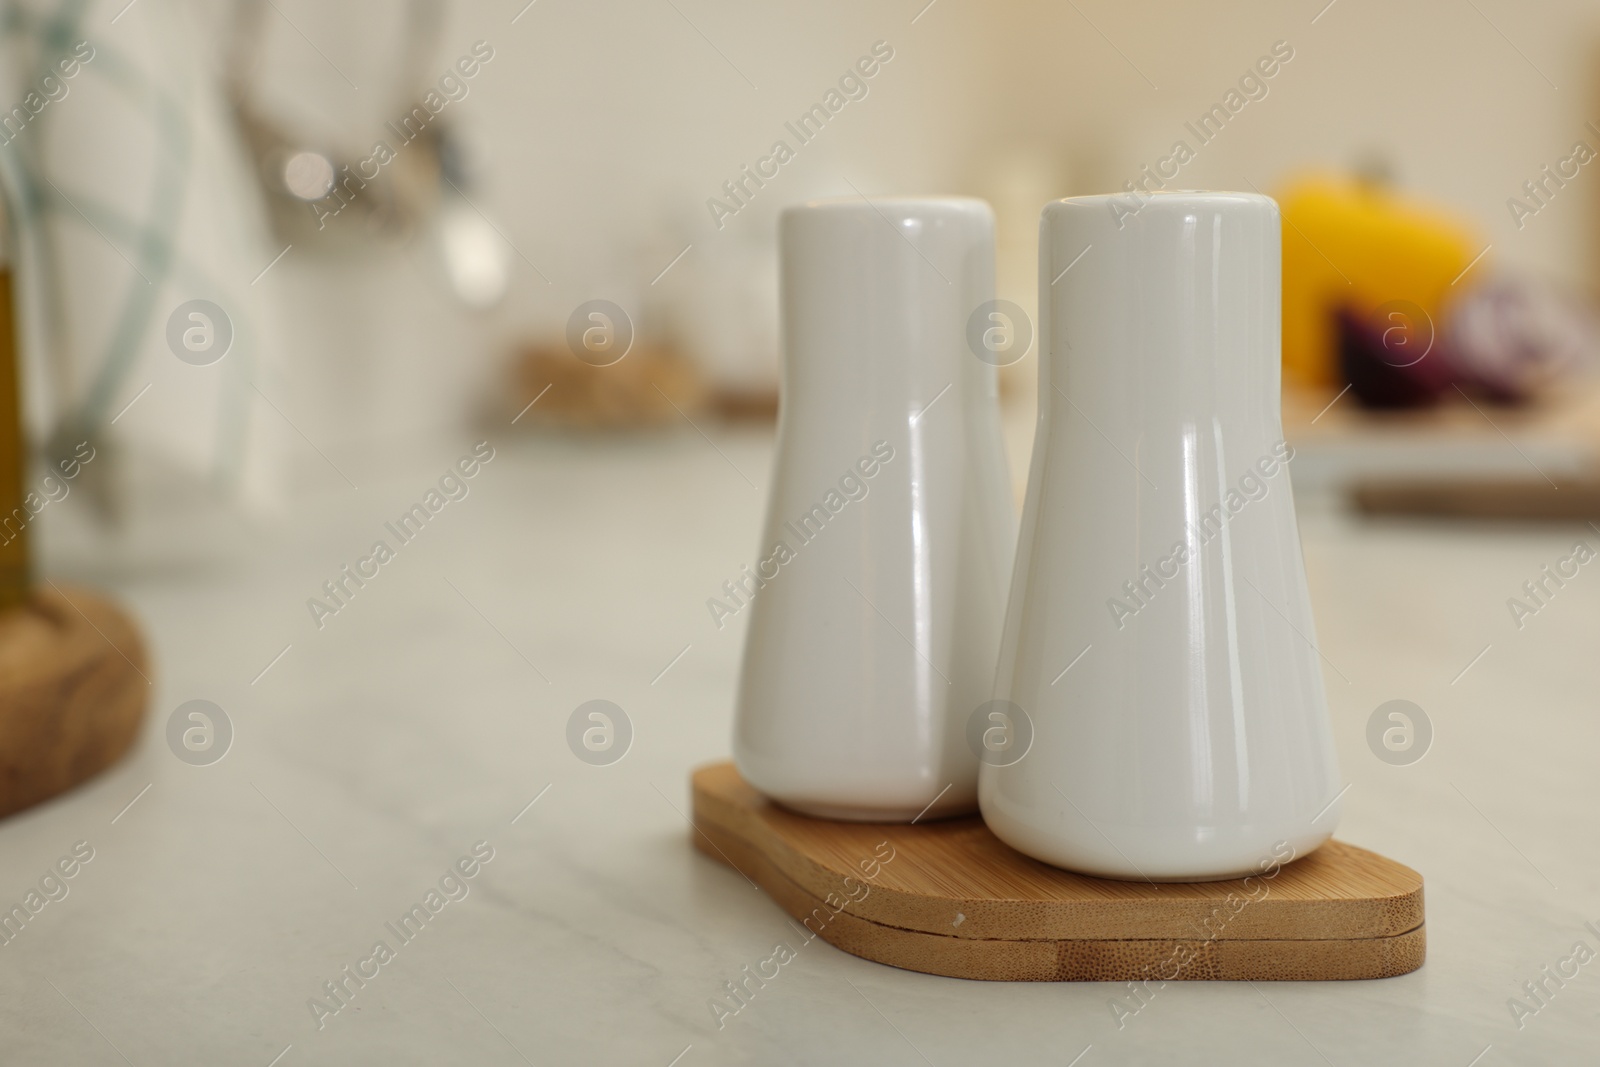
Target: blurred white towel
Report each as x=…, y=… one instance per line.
x=130, y=195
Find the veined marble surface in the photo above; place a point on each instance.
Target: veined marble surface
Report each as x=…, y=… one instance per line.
x=426, y=715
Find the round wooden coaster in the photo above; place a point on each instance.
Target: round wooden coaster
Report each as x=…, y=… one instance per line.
x=73, y=690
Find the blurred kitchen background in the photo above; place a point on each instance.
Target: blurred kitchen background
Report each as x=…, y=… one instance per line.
x=1433, y=161
x=276, y=337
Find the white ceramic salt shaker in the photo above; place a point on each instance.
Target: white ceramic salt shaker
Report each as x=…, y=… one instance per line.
x=883, y=567
x=1159, y=640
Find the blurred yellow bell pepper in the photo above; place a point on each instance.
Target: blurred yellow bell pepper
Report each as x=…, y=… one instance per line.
x=1349, y=242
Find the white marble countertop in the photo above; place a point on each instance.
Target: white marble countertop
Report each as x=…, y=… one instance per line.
x=427, y=714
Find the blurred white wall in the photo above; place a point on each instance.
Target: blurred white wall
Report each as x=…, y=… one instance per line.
x=600, y=130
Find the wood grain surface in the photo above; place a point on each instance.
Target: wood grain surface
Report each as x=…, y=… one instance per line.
x=73, y=691
x=950, y=898
x=1533, y=498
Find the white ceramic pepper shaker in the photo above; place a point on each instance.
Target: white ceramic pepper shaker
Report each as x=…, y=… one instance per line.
x=1160, y=559
x=876, y=620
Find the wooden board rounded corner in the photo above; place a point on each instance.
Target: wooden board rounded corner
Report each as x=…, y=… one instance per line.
x=953, y=900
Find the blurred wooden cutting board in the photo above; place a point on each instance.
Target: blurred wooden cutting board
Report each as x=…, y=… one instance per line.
x=73, y=690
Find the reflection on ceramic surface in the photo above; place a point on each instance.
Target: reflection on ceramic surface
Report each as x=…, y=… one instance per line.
x=880, y=578
x=1159, y=558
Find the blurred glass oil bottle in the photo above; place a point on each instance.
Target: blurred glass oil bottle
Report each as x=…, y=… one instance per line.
x=15, y=573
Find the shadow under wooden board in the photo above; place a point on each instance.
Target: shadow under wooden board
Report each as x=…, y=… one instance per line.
x=950, y=898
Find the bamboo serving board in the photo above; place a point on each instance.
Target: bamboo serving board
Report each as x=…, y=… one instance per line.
x=950, y=898
x=73, y=690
